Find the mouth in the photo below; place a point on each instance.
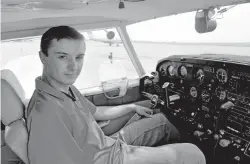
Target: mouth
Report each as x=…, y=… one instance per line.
x=70, y=74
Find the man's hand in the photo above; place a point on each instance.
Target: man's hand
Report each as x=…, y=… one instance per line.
x=143, y=111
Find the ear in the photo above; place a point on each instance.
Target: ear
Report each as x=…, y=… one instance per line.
x=42, y=57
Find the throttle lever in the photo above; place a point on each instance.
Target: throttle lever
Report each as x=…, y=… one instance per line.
x=165, y=86
x=157, y=99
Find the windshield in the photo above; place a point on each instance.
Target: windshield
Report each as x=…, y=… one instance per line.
x=176, y=35
x=21, y=57
x=152, y=40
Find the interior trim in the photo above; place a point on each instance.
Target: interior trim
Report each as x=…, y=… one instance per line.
x=31, y=32
x=98, y=90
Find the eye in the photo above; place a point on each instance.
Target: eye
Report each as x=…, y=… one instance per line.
x=79, y=57
x=62, y=57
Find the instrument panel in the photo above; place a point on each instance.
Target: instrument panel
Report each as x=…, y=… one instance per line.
x=214, y=97
x=218, y=77
x=210, y=83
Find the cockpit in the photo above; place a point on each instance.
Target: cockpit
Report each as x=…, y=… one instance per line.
x=207, y=97
x=201, y=86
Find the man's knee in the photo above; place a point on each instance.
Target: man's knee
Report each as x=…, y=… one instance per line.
x=170, y=129
x=161, y=118
x=196, y=154
x=201, y=159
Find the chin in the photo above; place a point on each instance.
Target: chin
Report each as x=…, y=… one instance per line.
x=67, y=81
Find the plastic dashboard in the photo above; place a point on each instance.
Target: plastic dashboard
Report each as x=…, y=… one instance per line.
x=213, y=107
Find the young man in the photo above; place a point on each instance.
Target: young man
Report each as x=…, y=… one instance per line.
x=62, y=123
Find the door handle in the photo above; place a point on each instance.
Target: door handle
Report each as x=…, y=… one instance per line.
x=113, y=93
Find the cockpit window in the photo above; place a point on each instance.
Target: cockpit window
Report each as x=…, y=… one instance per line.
x=176, y=35
x=103, y=46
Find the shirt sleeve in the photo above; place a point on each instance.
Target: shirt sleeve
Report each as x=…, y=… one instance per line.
x=92, y=108
x=90, y=105
x=50, y=141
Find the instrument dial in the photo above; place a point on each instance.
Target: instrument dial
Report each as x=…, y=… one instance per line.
x=183, y=71
x=163, y=70
x=221, y=93
x=206, y=96
x=171, y=70
x=200, y=76
x=193, y=92
x=221, y=75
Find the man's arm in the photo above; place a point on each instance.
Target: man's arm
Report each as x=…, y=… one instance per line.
x=109, y=113
x=50, y=141
x=103, y=113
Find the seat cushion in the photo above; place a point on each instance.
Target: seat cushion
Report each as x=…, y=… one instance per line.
x=12, y=97
x=16, y=137
x=12, y=112
x=12, y=106
x=9, y=157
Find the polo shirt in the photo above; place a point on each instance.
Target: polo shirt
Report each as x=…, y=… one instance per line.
x=62, y=131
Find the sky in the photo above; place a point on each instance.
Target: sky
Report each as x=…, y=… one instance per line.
x=233, y=27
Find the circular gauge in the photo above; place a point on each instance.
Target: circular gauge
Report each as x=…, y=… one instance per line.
x=183, y=71
x=221, y=75
x=163, y=72
x=193, y=92
x=163, y=69
x=205, y=96
x=156, y=76
x=171, y=70
x=200, y=76
x=221, y=93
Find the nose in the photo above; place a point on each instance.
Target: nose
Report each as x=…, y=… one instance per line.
x=72, y=65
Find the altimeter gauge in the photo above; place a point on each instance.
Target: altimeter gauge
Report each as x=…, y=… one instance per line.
x=221, y=75
x=183, y=71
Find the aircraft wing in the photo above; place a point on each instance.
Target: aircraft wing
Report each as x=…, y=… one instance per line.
x=109, y=41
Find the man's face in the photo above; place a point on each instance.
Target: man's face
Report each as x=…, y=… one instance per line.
x=65, y=59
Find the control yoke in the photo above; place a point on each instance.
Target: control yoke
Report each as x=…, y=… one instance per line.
x=154, y=99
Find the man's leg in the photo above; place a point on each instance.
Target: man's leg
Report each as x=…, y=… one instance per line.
x=168, y=154
x=149, y=131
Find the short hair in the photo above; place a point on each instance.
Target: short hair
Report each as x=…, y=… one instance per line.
x=58, y=32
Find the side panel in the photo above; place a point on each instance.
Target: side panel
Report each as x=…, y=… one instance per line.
x=100, y=99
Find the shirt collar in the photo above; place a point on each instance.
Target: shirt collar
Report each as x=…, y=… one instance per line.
x=70, y=95
x=45, y=87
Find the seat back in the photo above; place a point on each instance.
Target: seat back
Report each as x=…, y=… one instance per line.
x=12, y=112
